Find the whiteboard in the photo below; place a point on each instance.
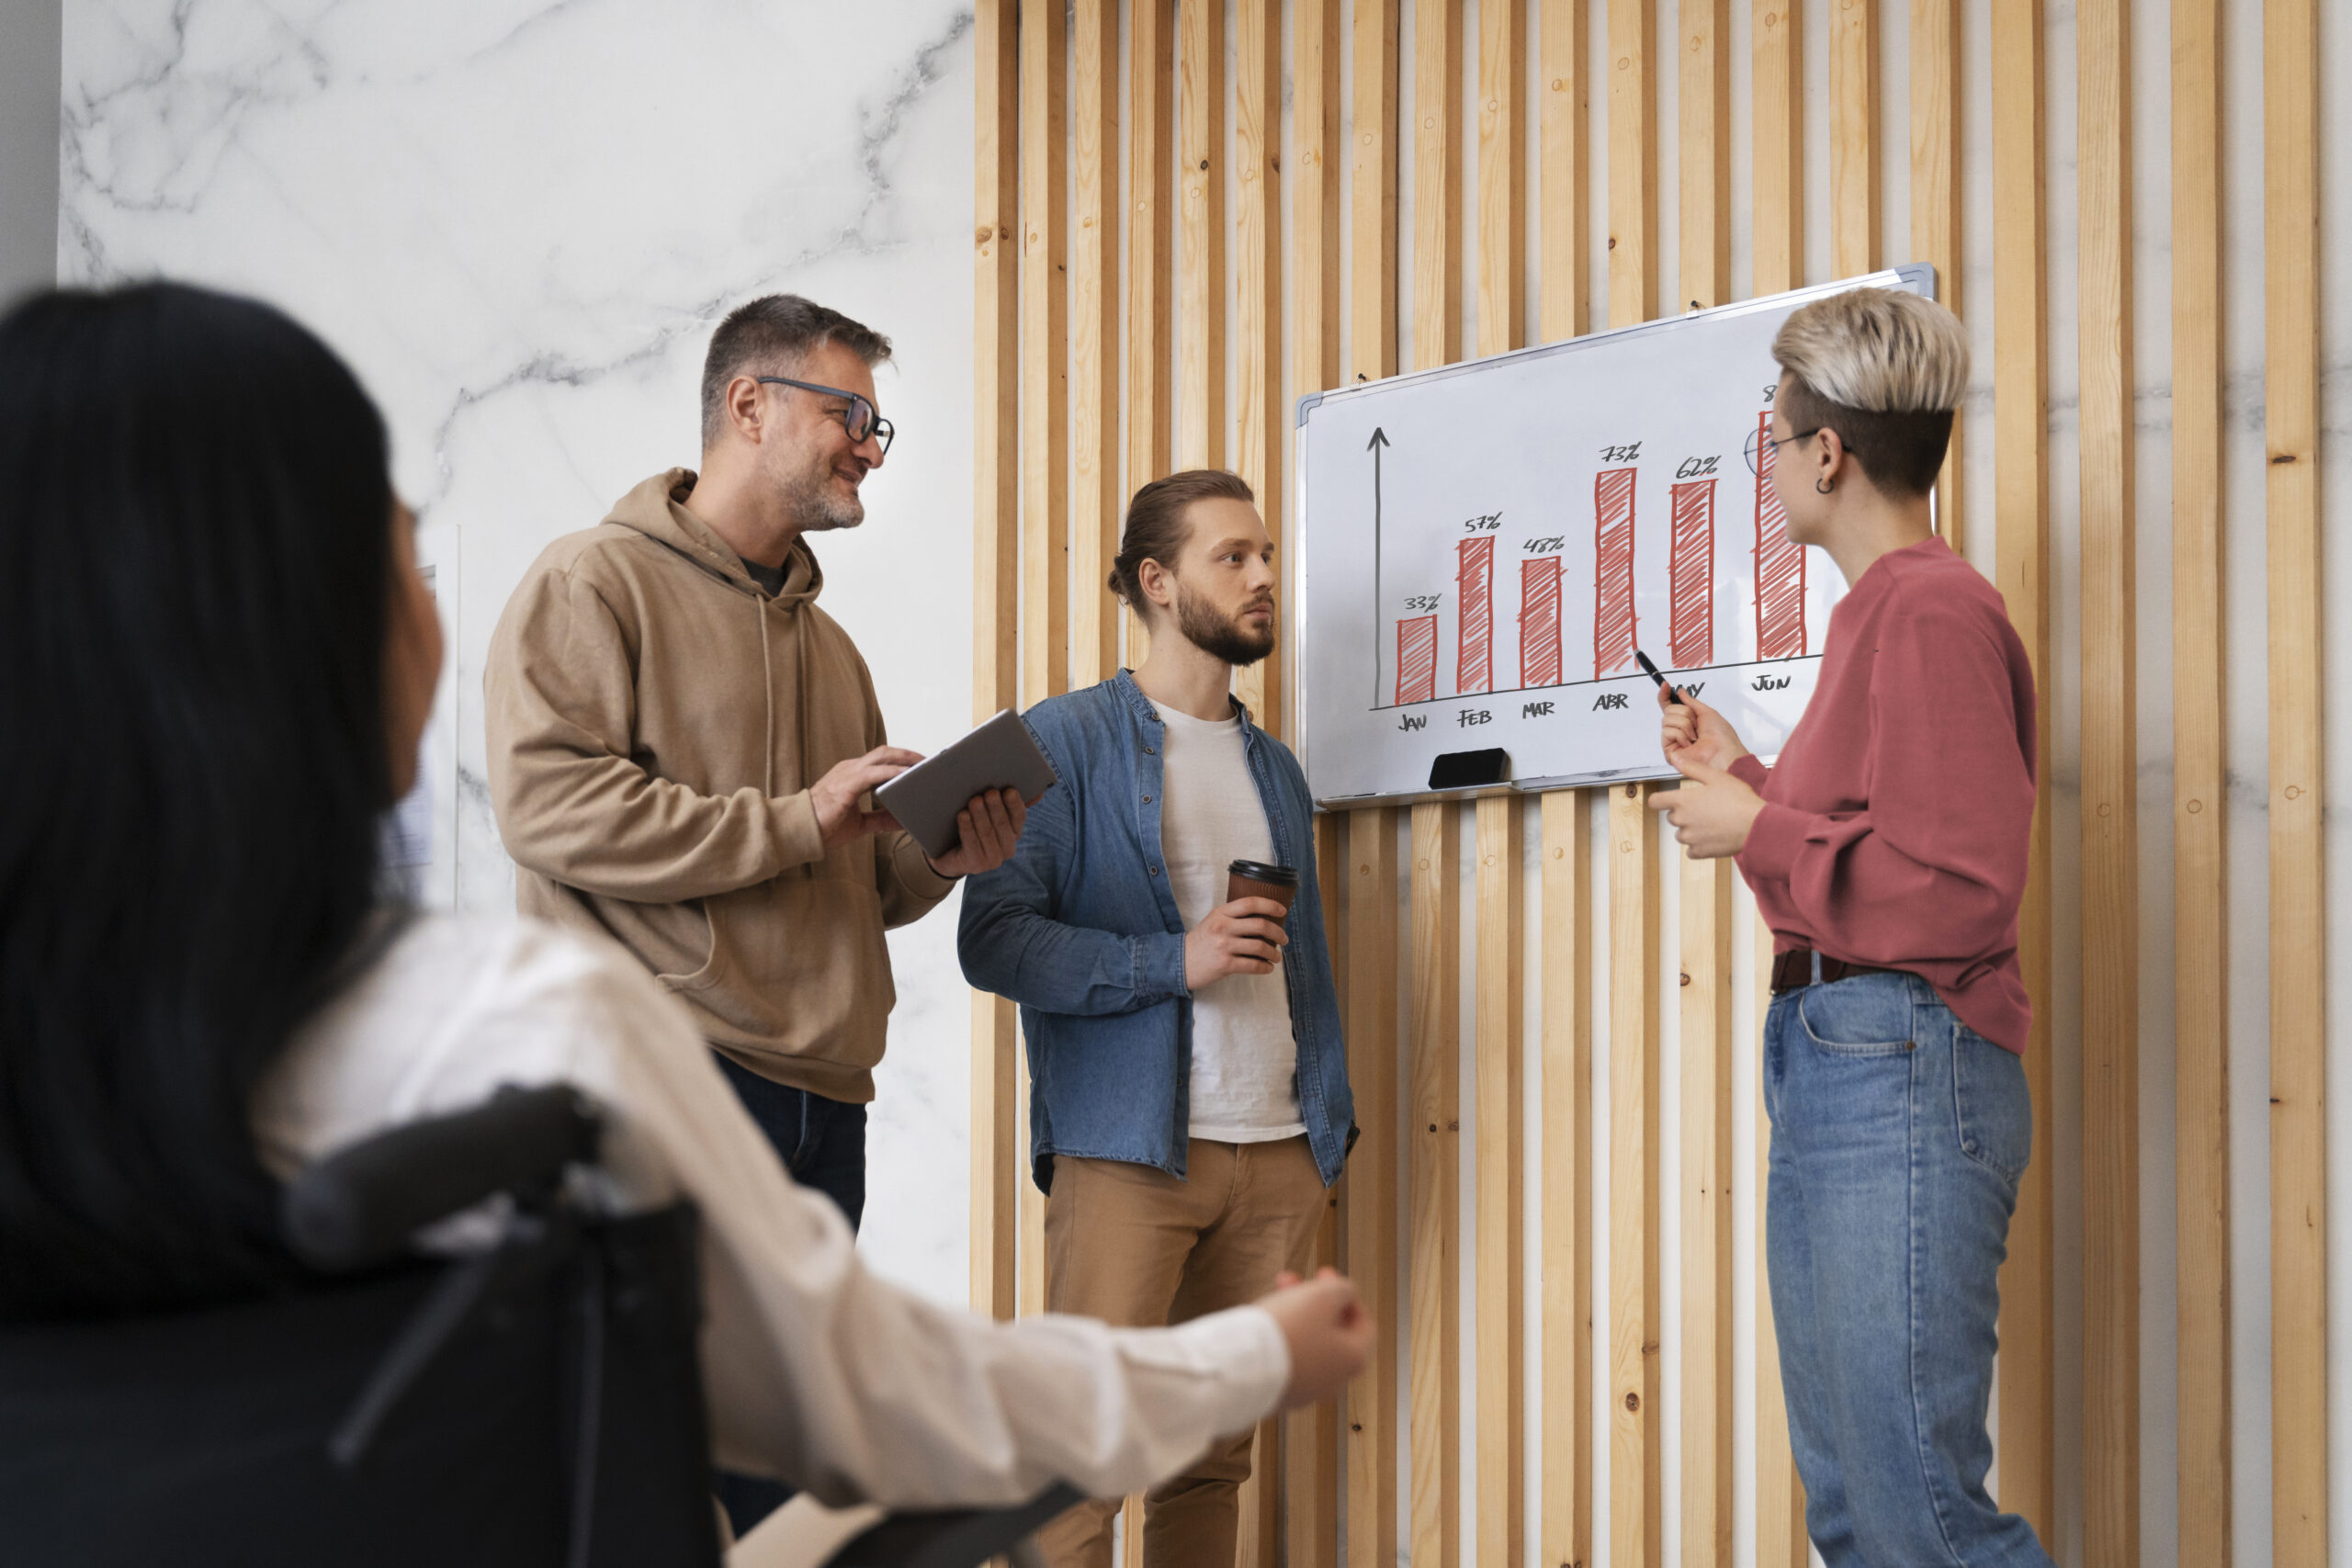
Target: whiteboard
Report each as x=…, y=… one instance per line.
x=1482, y=547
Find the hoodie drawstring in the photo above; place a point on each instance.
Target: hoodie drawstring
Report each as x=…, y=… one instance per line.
x=768, y=701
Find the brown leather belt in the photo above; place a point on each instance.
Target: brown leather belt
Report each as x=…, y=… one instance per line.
x=1792, y=970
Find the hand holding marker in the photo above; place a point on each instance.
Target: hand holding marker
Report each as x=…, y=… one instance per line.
x=1650, y=669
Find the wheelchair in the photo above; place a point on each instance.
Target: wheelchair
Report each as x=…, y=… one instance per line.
x=537, y=1404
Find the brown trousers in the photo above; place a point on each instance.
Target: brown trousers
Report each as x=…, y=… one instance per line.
x=1137, y=1248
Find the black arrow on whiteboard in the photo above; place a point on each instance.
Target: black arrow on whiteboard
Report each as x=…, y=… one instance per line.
x=1379, y=604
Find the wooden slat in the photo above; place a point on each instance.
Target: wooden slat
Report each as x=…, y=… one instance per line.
x=1779, y=173
x=1151, y=98
x=1317, y=154
x=1437, y=183
x=1780, y=1492
x=1853, y=137
x=1257, y=1541
x=1311, y=1438
x=996, y=588
x=1702, y=139
x=1372, y=195
x=2111, y=846
x=1565, y=1525
x=1044, y=446
x=1707, y=1216
x=1703, y=49
x=1502, y=1196
x=1258, y=309
x=1632, y=162
x=2290, y=140
x=1564, y=202
x=1779, y=230
x=2200, y=817
x=1200, y=226
x=1095, y=349
x=1370, y=1234
x=2026, y=1436
x=1502, y=176
x=1434, y=1134
x=1501, y=1176
x=1371, y=1198
x=1636, y=1489
x=1935, y=195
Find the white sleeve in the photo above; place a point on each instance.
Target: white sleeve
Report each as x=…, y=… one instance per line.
x=838, y=1382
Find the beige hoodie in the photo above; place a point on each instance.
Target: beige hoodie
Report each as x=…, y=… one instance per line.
x=655, y=719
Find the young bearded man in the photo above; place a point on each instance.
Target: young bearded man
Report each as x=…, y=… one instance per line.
x=1190, y=1098
x=682, y=746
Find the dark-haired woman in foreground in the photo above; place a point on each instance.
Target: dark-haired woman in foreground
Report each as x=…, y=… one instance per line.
x=219, y=661
x=1887, y=852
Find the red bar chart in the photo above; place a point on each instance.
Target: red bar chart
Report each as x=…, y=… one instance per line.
x=1613, y=550
x=1417, y=659
x=1539, y=621
x=1779, y=562
x=1691, y=576
x=1474, y=579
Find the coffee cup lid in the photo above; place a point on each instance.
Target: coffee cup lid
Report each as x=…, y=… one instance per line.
x=1258, y=871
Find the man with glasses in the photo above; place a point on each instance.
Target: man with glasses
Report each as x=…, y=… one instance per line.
x=682, y=746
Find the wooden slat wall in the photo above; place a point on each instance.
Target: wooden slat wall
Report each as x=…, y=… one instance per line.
x=2026, y=1434
x=1045, y=444
x=1371, y=1199
x=1778, y=103
x=2201, y=865
x=1311, y=1440
x=1935, y=198
x=2111, y=909
x=1201, y=291
x=1500, y=1065
x=1094, y=347
x=1636, y=1470
x=2291, y=132
x=1258, y=321
x=1146, y=346
x=1853, y=137
x=1565, y=1527
x=996, y=590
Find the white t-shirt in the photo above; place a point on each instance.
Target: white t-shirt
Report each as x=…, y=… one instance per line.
x=1245, y=1060
x=816, y=1371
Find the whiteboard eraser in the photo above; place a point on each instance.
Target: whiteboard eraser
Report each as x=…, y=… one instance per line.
x=1468, y=770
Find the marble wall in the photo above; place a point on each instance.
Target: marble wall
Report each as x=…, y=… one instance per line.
x=519, y=219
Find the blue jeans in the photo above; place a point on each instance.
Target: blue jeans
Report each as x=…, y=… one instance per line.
x=822, y=1143
x=1898, y=1136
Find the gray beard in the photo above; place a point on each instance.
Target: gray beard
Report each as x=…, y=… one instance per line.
x=817, y=511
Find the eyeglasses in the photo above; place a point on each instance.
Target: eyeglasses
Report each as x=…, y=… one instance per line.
x=1757, y=441
x=861, y=419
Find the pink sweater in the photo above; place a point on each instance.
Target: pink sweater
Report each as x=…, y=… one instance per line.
x=1895, y=826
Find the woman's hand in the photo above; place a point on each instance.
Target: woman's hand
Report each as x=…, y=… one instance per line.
x=1713, y=812
x=1328, y=1330
x=1694, y=730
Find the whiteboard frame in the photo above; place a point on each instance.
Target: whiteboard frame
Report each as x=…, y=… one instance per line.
x=1919, y=278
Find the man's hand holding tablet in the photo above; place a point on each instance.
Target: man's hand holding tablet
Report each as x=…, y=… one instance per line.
x=987, y=826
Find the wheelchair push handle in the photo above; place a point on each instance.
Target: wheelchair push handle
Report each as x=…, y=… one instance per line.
x=359, y=1206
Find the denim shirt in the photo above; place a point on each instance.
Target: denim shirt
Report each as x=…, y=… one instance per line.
x=1081, y=928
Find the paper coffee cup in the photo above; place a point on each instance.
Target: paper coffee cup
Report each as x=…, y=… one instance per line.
x=1255, y=879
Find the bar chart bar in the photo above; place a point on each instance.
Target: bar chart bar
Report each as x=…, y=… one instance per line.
x=1612, y=549
x=1691, y=576
x=1475, y=658
x=1779, y=562
x=1539, y=621
x=1417, y=659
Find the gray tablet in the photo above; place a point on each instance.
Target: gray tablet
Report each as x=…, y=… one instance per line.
x=1000, y=754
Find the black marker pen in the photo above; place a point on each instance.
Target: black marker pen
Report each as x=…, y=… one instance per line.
x=1651, y=671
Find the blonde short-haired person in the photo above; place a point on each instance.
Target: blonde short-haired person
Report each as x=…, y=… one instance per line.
x=1887, y=849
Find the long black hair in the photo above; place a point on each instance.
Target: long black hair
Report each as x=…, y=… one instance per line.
x=195, y=558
